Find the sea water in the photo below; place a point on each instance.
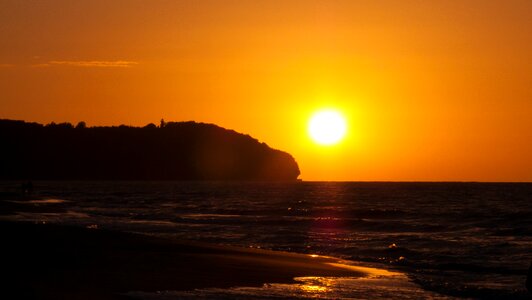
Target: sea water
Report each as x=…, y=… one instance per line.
x=451, y=239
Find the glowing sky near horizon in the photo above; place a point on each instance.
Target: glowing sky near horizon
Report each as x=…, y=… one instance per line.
x=431, y=90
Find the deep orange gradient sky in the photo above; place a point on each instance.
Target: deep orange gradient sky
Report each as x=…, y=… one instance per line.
x=432, y=90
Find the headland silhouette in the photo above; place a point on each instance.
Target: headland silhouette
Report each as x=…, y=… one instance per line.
x=170, y=151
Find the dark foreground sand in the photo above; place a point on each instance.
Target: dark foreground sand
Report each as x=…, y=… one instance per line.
x=59, y=262
x=46, y=261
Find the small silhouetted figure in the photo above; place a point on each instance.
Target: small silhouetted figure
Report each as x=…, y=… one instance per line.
x=529, y=279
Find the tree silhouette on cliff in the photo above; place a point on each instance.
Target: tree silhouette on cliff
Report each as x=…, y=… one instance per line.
x=173, y=151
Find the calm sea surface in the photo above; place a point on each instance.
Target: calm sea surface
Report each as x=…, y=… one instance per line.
x=456, y=239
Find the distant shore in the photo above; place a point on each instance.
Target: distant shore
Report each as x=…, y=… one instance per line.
x=171, y=151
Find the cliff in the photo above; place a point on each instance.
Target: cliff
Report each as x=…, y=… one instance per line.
x=172, y=151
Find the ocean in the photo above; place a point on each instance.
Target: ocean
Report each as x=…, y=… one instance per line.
x=451, y=240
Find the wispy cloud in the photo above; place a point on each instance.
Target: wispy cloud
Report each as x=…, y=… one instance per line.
x=6, y=65
x=90, y=63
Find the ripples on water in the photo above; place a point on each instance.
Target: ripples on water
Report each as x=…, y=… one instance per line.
x=464, y=239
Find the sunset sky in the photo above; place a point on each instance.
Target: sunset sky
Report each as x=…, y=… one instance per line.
x=431, y=90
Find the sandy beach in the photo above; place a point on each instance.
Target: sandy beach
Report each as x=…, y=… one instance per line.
x=59, y=262
x=50, y=261
x=47, y=261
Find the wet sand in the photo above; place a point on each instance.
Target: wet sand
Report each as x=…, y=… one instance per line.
x=60, y=262
x=48, y=261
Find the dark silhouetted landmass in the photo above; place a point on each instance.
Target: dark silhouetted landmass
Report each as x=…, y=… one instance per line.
x=171, y=151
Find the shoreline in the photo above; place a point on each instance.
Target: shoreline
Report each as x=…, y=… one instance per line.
x=73, y=257
x=61, y=262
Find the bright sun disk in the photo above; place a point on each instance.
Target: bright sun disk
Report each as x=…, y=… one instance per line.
x=327, y=127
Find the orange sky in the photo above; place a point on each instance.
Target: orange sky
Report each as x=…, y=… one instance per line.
x=433, y=90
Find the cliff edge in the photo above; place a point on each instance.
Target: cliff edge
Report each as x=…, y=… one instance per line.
x=172, y=151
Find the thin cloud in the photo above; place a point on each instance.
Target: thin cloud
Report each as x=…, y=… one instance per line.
x=6, y=65
x=90, y=63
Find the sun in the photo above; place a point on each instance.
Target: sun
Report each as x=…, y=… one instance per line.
x=327, y=127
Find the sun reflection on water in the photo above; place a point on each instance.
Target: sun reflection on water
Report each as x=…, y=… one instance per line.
x=374, y=287
x=312, y=289
x=314, y=286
